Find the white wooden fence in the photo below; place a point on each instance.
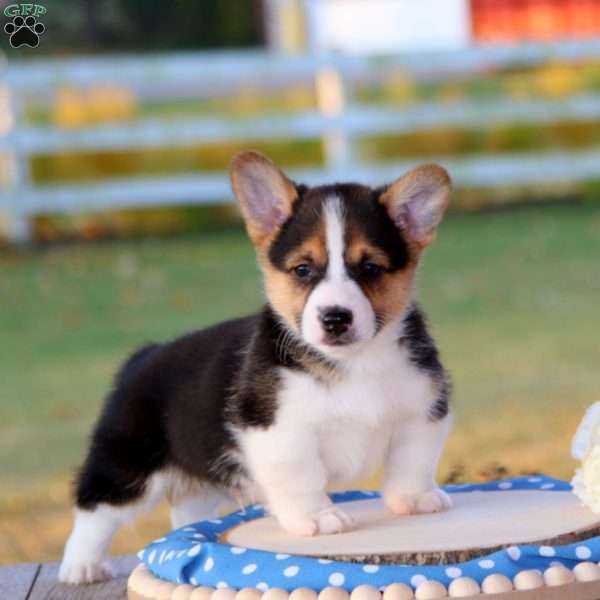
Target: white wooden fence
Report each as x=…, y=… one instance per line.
x=339, y=123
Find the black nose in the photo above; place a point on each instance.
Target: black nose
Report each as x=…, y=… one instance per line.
x=335, y=319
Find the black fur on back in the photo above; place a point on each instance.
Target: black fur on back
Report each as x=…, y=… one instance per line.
x=172, y=402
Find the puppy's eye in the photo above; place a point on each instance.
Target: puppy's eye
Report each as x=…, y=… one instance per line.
x=371, y=270
x=303, y=271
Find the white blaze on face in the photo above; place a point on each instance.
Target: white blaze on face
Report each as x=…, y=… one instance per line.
x=336, y=289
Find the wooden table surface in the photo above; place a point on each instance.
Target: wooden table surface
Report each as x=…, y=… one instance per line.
x=40, y=582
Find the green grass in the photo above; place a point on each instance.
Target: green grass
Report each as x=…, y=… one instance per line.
x=513, y=299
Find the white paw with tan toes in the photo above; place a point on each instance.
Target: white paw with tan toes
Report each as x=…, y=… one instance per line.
x=403, y=503
x=82, y=571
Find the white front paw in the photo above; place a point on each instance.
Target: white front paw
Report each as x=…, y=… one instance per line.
x=430, y=501
x=333, y=520
x=327, y=521
x=84, y=571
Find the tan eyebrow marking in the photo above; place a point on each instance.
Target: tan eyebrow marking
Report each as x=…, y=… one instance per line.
x=314, y=249
x=360, y=250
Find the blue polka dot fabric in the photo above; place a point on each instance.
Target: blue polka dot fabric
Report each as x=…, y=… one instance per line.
x=193, y=554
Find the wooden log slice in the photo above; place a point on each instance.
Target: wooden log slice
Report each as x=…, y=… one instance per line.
x=477, y=524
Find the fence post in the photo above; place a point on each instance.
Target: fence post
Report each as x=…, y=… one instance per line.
x=331, y=91
x=18, y=171
x=331, y=101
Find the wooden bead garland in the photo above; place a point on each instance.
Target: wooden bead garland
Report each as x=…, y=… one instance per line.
x=202, y=593
x=365, y=592
x=528, y=580
x=496, y=584
x=225, y=593
x=275, y=594
x=249, y=594
x=183, y=592
x=558, y=575
x=146, y=585
x=587, y=571
x=398, y=591
x=463, y=587
x=303, y=594
x=430, y=590
x=333, y=593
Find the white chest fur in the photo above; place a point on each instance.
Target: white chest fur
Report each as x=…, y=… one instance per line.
x=345, y=425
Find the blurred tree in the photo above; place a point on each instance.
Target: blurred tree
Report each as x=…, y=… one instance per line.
x=74, y=26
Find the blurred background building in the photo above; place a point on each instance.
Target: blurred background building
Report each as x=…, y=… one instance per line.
x=117, y=224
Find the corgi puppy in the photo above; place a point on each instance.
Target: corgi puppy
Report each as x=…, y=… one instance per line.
x=335, y=377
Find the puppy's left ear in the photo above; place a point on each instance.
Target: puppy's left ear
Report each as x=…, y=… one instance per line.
x=416, y=202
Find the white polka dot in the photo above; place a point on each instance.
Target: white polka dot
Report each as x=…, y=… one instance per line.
x=282, y=556
x=583, y=552
x=181, y=553
x=237, y=550
x=195, y=550
x=215, y=521
x=249, y=569
x=262, y=586
x=534, y=479
x=505, y=485
x=140, y=554
x=547, y=551
x=514, y=552
x=193, y=581
x=547, y=486
x=162, y=556
x=160, y=540
x=337, y=579
x=198, y=536
x=453, y=572
x=417, y=580
x=189, y=529
x=209, y=564
x=370, y=568
x=170, y=555
x=291, y=571
x=151, y=556
x=325, y=561
x=486, y=563
x=221, y=585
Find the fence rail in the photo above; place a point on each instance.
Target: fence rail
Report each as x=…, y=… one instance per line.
x=194, y=75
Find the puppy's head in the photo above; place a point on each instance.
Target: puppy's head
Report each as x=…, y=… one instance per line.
x=338, y=261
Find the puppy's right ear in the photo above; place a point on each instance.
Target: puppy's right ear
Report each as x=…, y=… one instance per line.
x=264, y=193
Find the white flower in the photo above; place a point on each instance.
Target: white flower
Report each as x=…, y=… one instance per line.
x=586, y=482
x=587, y=435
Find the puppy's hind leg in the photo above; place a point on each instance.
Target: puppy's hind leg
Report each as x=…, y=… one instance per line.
x=195, y=503
x=87, y=548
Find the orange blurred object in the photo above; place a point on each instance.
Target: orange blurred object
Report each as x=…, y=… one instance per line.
x=503, y=21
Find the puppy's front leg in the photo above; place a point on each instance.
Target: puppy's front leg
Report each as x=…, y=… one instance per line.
x=411, y=464
x=293, y=480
